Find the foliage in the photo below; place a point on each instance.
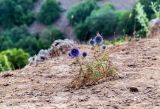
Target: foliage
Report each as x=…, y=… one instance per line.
x=16, y=57
x=147, y=8
x=19, y=37
x=4, y=63
x=123, y=18
x=142, y=17
x=156, y=9
x=105, y=20
x=15, y=12
x=49, y=12
x=137, y=28
x=81, y=11
x=16, y=33
x=48, y=35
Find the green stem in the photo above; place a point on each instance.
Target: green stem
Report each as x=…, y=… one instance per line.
x=80, y=64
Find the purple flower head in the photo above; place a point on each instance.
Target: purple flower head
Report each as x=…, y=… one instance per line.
x=99, y=39
x=69, y=54
x=84, y=54
x=74, y=52
x=104, y=47
x=92, y=42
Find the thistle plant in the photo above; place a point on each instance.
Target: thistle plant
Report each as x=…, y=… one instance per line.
x=97, y=68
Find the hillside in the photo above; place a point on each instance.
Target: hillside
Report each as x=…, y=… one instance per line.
x=137, y=85
x=63, y=24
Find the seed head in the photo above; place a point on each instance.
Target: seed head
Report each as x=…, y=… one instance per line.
x=99, y=39
x=74, y=53
x=84, y=54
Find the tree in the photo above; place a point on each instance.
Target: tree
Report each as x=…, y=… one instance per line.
x=49, y=12
x=15, y=12
x=80, y=12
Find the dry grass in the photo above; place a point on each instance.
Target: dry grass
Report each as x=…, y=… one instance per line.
x=100, y=68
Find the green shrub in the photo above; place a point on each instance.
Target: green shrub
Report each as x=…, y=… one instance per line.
x=156, y=9
x=6, y=43
x=142, y=18
x=134, y=24
x=4, y=63
x=30, y=44
x=16, y=33
x=48, y=35
x=147, y=7
x=19, y=37
x=123, y=17
x=103, y=20
x=49, y=12
x=15, y=12
x=17, y=57
x=80, y=12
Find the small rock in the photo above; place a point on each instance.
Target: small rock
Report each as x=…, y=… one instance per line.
x=5, y=84
x=133, y=89
x=49, y=101
x=154, y=59
x=127, y=53
x=84, y=98
x=132, y=65
x=7, y=75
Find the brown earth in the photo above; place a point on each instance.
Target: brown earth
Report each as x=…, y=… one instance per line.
x=44, y=86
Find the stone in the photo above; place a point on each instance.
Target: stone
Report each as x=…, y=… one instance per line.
x=133, y=89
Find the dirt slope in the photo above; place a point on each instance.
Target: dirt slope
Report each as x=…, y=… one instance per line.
x=44, y=86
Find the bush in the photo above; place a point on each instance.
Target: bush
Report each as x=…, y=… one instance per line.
x=81, y=11
x=147, y=7
x=6, y=43
x=29, y=44
x=123, y=18
x=15, y=12
x=16, y=33
x=133, y=23
x=17, y=57
x=19, y=37
x=49, y=12
x=103, y=20
x=48, y=35
x=4, y=63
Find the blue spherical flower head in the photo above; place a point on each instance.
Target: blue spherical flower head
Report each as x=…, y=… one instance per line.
x=104, y=47
x=84, y=54
x=75, y=53
x=92, y=42
x=99, y=39
x=69, y=54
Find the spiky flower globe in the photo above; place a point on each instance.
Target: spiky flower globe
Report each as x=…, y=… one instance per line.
x=84, y=54
x=74, y=53
x=103, y=47
x=99, y=40
x=69, y=54
x=92, y=42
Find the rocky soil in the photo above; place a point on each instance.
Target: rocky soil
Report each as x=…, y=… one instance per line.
x=137, y=85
